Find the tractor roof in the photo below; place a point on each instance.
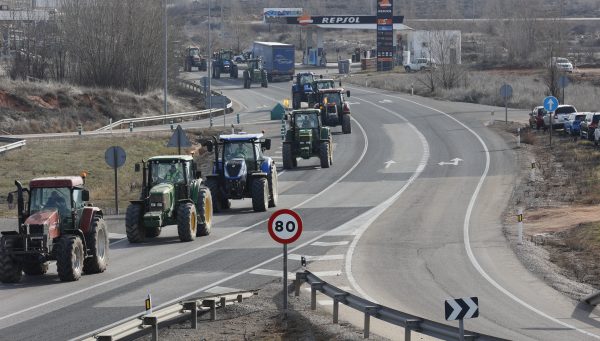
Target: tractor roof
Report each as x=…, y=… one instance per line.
x=172, y=158
x=306, y=111
x=56, y=182
x=240, y=137
x=334, y=90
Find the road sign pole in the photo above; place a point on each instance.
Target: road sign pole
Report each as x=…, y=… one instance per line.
x=461, y=330
x=551, y=124
x=285, y=279
x=178, y=143
x=520, y=226
x=116, y=182
x=506, y=111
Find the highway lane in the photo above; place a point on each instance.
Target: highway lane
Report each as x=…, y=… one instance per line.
x=416, y=255
x=238, y=254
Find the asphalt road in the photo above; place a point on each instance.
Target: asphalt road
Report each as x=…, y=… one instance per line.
x=387, y=221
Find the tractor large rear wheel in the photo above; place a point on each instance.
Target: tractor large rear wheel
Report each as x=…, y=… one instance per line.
x=97, y=241
x=215, y=193
x=246, y=79
x=260, y=194
x=264, y=81
x=10, y=269
x=346, y=126
x=69, y=258
x=134, y=225
x=205, y=205
x=324, y=154
x=187, y=221
x=287, y=156
x=273, y=184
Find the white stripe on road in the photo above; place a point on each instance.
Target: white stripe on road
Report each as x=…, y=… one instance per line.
x=272, y=273
x=316, y=258
x=221, y=290
x=345, y=242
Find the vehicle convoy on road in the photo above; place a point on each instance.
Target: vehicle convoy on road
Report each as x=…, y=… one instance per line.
x=278, y=59
x=192, y=59
x=172, y=193
x=334, y=110
x=241, y=170
x=255, y=73
x=55, y=223
x=307, y=138
x=302, y=89
x=223, y=63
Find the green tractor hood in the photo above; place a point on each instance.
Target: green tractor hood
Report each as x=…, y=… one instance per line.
x=161, y=204
x=305, y=137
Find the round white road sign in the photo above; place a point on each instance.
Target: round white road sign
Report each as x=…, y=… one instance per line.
x=285, y=226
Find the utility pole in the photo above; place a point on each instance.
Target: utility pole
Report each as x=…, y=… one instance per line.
x=165, y=73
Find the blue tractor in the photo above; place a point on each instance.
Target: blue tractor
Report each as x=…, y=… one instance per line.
x=241, y=170
x=302, y=90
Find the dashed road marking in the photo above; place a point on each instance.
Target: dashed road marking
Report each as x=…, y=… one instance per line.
x=316, y=258
x=342, y=243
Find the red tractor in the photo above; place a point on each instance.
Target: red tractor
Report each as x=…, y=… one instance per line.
x=334, y=109
x=55, y=223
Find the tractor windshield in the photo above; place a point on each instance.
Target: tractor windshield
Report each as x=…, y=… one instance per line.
x=238, y=150
x=194, y=52
x=253, y=64
x=332, y=98
x=226, y=55
x=306, y=79
x=167, y=172
x=329, y=84
x=43, y=199
x=307, y=121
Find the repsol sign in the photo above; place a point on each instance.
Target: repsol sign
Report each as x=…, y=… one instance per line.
x=340, y=20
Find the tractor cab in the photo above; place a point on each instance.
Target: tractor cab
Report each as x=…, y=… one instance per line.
x=302, y=89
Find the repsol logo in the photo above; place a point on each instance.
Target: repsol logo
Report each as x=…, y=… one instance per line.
x=340, y=20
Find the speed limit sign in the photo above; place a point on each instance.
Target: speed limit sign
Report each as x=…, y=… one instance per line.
x=285, y=226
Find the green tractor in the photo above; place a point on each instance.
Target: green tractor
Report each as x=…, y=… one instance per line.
x=306, y=138
x=172, y=193
x=255, y=74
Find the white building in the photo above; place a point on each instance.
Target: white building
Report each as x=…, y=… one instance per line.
x=441, y=46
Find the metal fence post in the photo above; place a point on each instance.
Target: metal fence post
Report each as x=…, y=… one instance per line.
x=223, y=302
x=336, y=305
x=313, y=294
x=153, y=322
x=193, y=308
x=213, y=308
x=370, y=310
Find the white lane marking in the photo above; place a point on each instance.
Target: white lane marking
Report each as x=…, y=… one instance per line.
x=371, y=215
x=221, y=290
x=223, y=280
x=272, y=273
x=316, y=258
x=389, y=163
x=342, y=243
x=466, y=225
x=333, y=273
x=116, y=235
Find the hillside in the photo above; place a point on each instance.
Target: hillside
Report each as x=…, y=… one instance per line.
x=27, y=107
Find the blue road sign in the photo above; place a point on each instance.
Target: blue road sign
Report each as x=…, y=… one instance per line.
x=563, y=82
x=550, y=103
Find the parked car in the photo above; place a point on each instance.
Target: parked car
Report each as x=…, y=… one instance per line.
x=562, y=64
x=589, y=125
x=419, y=64
x=573, y=123
x=558, y=119
x=536, y=118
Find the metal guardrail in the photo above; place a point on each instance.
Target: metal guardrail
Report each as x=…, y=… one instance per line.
x=13, y=143
x=593, y=299
x=370, y=309
x=149, y=323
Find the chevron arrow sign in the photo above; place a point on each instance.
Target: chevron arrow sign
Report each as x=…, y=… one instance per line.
x=462, y=308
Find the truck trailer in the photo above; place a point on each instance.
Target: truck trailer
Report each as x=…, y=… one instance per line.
x=278, y=59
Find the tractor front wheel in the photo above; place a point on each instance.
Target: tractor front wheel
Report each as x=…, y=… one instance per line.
x=287, y=155
x=217, y=201
x=273, y=184
x=324, y=154
x=69, y=258
x=10, y=269
x=187, y=221
x=134, y=225
x=205, y=203
x=260, y=194
x=97, y=241
x=346, y=126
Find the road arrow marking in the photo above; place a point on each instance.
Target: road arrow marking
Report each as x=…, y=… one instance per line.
x=453, y=162
x=386, y=101
x=389, y=163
